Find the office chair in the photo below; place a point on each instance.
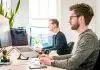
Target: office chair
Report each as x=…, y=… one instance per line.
x=70, y=47
x=97, y=65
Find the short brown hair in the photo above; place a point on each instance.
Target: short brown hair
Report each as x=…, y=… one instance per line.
x=55, y=21
x=83, y=10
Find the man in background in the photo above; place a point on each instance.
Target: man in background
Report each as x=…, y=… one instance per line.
x=85, y=53
x=59, y=39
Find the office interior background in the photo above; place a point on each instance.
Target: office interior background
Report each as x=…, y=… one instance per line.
x=33, y=15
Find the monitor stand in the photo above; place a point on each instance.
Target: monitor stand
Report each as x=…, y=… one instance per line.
x=19, y=58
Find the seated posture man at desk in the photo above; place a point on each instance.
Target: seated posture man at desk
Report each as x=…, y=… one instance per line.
x=59, y=39
x=85, y=53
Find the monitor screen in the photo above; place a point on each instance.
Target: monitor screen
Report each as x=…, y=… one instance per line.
x=41, y=35
x=5, y=37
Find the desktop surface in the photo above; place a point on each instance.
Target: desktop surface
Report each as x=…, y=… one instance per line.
x=23, y=64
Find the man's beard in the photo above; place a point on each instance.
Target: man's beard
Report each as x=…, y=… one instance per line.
x=75, y=26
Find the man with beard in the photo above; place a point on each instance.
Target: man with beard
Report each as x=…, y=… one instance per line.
x=85, y=53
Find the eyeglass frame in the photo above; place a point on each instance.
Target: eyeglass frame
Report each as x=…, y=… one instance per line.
x=73, y=16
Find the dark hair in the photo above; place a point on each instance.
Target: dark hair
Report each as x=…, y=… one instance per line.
x=55, y=21
x=83, y=10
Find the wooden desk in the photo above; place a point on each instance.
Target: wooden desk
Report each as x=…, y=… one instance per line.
x=22, y=64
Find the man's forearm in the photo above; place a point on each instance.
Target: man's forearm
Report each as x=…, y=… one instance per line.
x=62, y=57
x=60, y=63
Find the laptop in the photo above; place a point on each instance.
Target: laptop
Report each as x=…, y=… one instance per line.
x=26, y=51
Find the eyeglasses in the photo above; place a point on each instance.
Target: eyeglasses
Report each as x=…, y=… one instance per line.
x=73, y=16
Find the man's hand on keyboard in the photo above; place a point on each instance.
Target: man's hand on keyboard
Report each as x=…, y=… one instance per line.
x=38, y=49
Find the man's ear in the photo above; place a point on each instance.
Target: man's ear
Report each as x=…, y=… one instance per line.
x=55, y=25
x=81, y=19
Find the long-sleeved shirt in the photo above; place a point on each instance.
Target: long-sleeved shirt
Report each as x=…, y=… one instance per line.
x=59, y=44
x=85, y=55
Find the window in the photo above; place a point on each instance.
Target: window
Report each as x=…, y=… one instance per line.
x=6, y=4
x=39, y=13
x=43, y=9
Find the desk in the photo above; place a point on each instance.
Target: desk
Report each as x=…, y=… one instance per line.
x=22, y=64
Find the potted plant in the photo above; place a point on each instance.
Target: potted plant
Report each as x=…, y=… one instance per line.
x=10, y=16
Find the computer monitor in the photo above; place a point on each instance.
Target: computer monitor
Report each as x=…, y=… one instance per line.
x=46, y=40
x=41, y=34
x=5, y=37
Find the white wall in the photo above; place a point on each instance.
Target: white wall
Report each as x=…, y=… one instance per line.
x=65, y=27
x=98, y=18
x=22, y=17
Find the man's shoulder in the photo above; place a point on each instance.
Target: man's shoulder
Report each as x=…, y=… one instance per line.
x=60, y=33
x=89, y=38
x=88, y=34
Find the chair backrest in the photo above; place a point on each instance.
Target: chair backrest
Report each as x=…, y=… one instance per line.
x=97, y=65
x=70, y=45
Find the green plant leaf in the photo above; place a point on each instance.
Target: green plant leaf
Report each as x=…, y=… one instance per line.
x=1, y=9
x=11, y=24
x=11, y=12
x=11, y=15
x=17, y=7
x=11, y=20
x=6, y=14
